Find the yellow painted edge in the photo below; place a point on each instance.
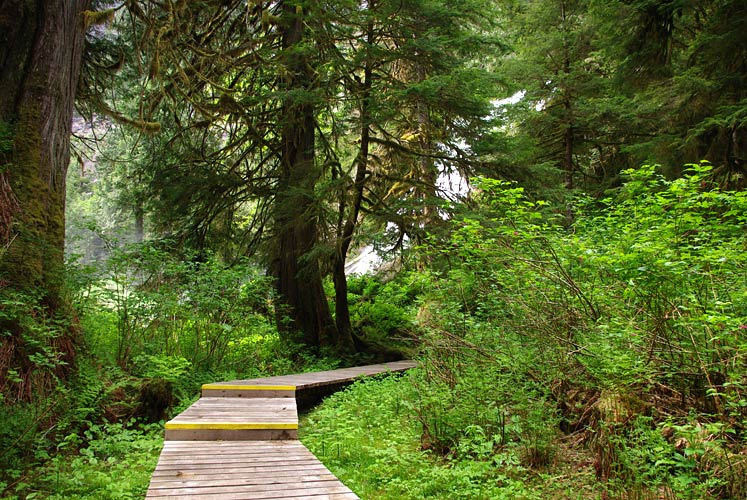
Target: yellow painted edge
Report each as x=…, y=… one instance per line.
x=214, y=387
x=228, y=426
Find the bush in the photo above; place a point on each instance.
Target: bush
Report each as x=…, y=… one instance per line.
x=637, y=307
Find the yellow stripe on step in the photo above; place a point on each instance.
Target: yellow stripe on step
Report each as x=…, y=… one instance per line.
x=225, y=387
x=225, y=426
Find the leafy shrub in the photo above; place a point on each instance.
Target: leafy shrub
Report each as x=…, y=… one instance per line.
x=382, y=311
x=640, y=299
x=369, y=436
x=114, y=461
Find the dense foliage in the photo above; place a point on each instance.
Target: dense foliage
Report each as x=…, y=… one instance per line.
x=614, y=348
x=580, y=319
x=154, y=329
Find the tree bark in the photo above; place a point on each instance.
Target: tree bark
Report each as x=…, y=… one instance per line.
x=41, y=47
x=342, y=310
x=299, y=278
x=568, y=133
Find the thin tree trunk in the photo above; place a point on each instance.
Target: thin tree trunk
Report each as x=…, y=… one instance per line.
x=568, y=152
x=568, y=168
x=139, y=235
x=342, y=311
x=428, y=175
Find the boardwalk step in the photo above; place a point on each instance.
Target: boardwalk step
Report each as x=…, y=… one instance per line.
x=287, y=384
x=235, y=420
x=231, y=470
x=239, y=441
x=248, y=390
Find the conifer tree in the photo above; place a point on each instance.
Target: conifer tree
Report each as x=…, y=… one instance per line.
x=267, y=86
x=556, y=69
x=40, y=56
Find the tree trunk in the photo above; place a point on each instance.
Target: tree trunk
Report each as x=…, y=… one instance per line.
x=342, y=311
x=41, y=46
x=299, y=279
x=568, y=145
x=568, y=167
x=139, y=235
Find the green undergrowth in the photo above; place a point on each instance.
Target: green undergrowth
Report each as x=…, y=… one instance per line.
x=605, y=359
x=370, y=437
x=153, y=329
x=110, y=461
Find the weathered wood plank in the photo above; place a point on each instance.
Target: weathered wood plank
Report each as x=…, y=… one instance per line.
x=207, y=475
x=254, y=454
x=195, y=461
x=248, y=404
x=235, y=420
x=204, y=470
x=190, y=459
x=230, y=435
x=277, y=495
x=256, y=469
x=258, y=491
x=231, y=447
x=232, y=480
x=239, y=442
x=265, y=448
x=303, y=381
x=206, y=458
x=201, y=470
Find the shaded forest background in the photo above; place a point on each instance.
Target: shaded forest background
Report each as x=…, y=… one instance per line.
x=554, y=190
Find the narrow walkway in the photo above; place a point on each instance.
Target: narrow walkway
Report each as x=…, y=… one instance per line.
x=240, y=441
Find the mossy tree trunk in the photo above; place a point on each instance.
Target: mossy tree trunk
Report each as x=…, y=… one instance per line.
x=299, y=277
x=41, y=47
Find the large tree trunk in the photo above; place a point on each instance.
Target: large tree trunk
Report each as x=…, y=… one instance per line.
x=41, y=46
x=299, y=279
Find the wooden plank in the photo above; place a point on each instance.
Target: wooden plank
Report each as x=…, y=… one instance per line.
x=242, y=406
x=209, y=468
x=297, y=469
x=202, y=470
x=253, y=470
x=313, y=379
x=235, y=420
x=230, y=435
x=213, y=446
x=249, y=403
x=188, y=460
x=234, y=480
x=265, y=448
x=239, y=390
x=257, y=456
x=280, y=490
x=195, y=462
x=249, y=387
x=249, y=391
x=232, y=470
x=273, y=404
x=274, y=496
x=239, y=441
x=238, y=425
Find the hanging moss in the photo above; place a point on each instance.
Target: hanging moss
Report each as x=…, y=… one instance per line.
x=98, y=18
x=146, y=126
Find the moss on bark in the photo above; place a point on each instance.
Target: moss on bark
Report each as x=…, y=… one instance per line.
x=39, y=68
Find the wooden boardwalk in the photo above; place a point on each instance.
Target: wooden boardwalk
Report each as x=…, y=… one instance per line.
x=240, y=441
